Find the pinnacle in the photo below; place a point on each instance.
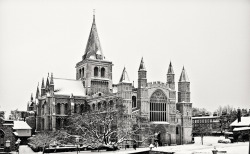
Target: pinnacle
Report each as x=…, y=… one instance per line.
x=51, y=79
x=183, y=77
x=170, y=69
x=142, y=65
x=42, y=83
x=124, y=76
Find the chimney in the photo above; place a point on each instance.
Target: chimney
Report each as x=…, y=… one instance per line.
x=239, y=115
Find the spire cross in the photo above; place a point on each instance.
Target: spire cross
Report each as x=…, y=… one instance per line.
x=93, y=15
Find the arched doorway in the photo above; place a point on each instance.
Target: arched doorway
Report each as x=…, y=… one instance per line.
x=158, y=106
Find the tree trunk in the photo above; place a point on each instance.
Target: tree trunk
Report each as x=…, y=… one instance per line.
x=202, y=139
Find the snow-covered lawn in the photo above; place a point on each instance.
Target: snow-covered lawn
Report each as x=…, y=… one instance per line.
x=209, y=143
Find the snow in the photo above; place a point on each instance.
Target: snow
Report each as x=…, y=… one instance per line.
x=241, y=128
x=68, y=87
x=209, y=144
x=205, y=117
x=159, y=122
x=245, y=121
x=124, y=77
x=21, y=125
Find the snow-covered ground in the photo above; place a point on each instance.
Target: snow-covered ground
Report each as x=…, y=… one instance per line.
x=208, y=145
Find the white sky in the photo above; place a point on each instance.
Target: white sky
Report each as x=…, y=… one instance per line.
x=209, y=37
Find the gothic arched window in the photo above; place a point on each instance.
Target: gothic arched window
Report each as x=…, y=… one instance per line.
x=103, y=72
x=104, y=104
x=58, y=108
x=158, y=106
x=96, y=71
x=134, y=101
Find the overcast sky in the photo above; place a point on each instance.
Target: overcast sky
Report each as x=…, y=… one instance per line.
x=209, y=37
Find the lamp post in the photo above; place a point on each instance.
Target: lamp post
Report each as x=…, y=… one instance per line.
x=249, y=140
x=7, y=146
x=169, y=136
x=18, y=143
x=77, y=140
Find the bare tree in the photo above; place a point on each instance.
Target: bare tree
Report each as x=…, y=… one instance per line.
x=202, y=130
x=104, y=126
x=2, y=113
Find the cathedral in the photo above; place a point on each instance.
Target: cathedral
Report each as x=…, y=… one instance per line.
x=58, y=98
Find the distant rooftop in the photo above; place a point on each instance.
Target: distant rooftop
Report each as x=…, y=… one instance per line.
x=206, y=117
x=245, y=121
x=21, y=125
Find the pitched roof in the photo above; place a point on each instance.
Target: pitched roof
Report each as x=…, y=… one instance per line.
x=142, y=65
x=170, y=69
x=21, y=125
x=68, y=87
x=93, y=49
x=183, y=77
x=245, y=121
x=124, y=77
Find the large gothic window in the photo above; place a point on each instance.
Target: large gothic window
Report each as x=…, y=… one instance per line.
x=103, y=72
x=158, y=106
x=96, y=71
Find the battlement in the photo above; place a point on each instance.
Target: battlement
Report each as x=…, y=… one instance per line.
x=156, y=84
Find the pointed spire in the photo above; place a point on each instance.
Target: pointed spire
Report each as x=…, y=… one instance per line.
x=31, y=97
x=93, y=15
x=93, y=49
x=42, y=87
x=124, y=76
x=51, y=79
x=47, y=82
x=142, y=65
x=170, y=69
x=37, y=91
x=183, y=77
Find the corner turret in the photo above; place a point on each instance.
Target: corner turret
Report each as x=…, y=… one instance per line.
x=142, y=92
x=170, y=77
x=43, y=92
x=124, y=90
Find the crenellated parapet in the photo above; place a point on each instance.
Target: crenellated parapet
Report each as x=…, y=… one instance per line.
x=157, y=84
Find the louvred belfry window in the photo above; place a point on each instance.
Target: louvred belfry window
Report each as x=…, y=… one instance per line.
x=96, y=71
x=103, y=72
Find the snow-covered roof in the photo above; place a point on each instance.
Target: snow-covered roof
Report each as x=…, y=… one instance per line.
x=241, y=128
x=245, y=121
x=124, y=77
x=206, y=117
x=68, y=87
x=21, y=125
x=159, y=122
x=183, y=77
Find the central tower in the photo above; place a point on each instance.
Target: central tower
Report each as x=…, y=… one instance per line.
x=94, y=71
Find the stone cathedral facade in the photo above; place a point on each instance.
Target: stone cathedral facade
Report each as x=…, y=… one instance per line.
x=167, y=110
